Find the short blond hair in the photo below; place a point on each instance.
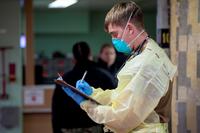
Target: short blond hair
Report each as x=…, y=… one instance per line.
x=120, y=13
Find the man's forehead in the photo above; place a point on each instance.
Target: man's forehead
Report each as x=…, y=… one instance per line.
x=113, y=28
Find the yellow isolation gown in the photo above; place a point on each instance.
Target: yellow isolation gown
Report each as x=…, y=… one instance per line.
x=143, y=81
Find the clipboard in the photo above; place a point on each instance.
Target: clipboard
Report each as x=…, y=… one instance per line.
x=65, y=84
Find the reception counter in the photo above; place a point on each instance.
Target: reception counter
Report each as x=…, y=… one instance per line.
x=37, y=108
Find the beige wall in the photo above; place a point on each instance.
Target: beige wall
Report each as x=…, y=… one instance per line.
x=185, y=52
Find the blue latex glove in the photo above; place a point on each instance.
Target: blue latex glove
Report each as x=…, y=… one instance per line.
x=76, y=97
x=84, y=87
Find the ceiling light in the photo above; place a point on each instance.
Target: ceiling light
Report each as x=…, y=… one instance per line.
x=62, y=3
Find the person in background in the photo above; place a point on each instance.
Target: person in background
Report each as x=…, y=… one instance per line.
x=67, y=116
x=142, y=101
x=107, y=58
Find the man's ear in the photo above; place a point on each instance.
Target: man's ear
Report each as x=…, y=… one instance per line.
x=131, y=28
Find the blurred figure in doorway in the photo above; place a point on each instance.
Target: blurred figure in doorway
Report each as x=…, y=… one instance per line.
x=107, y=57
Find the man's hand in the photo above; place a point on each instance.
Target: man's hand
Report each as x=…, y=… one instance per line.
x=76, y=97
x=84, y=87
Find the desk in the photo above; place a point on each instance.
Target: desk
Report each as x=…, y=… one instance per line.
x=37, y=118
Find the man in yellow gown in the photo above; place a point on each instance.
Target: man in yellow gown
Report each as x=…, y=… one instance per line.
x=141, y=102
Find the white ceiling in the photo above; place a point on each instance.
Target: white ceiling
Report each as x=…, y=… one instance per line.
x=97, y=4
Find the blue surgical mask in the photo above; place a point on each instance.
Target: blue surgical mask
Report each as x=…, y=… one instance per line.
x=121, y=46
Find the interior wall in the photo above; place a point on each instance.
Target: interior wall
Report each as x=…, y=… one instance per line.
x=93, y=32
x=185, y=52
x=10, y=107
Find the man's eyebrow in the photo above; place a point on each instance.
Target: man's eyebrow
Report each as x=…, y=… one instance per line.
x=112, y=32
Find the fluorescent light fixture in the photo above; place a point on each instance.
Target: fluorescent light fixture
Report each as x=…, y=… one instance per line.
x=62, y=3
x=22, y=41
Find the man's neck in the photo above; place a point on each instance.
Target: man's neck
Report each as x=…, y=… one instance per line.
x=140, y=40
